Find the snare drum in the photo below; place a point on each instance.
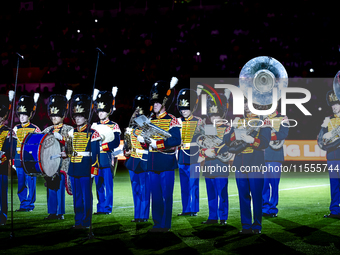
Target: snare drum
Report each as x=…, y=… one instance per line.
x=36, y=154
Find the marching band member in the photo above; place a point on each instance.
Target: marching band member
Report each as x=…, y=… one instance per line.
x=162, y=158
x=84, y=161
x=136, y=163
x=333, y=152
x=105, y=106
x=217, y=181
x=250, y=183
x=25, y=110
x=57, y=110
x=188, y=152
x=5, y=105
x=273, y=158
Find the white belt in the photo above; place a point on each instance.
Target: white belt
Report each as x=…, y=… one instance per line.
x=141, y=151
x=18, y=149
x=189, y=144
x=84, y=153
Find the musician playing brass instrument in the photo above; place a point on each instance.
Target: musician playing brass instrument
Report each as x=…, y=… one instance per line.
x=262, y=74
x=328, y=139
x=136, y=162
x=274, y=157
x=57, y=109
x=162, y=158
x=216, y=172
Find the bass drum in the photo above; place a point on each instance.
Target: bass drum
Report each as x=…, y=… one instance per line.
x=36, y=155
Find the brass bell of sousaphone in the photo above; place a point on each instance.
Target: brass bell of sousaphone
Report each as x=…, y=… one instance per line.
x=261, y=75
x=336, y=84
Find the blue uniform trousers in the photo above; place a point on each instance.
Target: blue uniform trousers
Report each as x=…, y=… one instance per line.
x=250, y=186
x=270, y=192
x=141, y=194
x=26, y=189
x=3, y=198
x=189, y=188
x=56, y=198
x=162, y=186
x=217, y=190
x=104, y=188
x=334, y=178
x=82, y=200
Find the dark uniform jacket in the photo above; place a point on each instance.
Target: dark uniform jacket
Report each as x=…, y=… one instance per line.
x=188, y=152
x=281, y=133
x=164, y=158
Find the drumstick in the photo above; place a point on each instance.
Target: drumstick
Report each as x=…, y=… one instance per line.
x=55, y=156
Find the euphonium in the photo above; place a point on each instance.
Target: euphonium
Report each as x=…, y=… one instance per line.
x=211, y=141
x=149, y=130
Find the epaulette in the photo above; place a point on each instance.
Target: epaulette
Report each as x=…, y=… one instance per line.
x=174, y=122
x=95, y=136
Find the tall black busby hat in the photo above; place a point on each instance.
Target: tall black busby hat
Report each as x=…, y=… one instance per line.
x=27, y=105
x=332, y=98
x=187, y=99
x=161, y=92
x=58, y=104
x=143, y=104
x=214, y=106
x=80, y=105
x=105, y=101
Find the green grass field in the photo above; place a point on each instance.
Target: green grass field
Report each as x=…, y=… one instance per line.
x=299, y=228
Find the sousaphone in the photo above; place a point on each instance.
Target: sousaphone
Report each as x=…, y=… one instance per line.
x=261, y=74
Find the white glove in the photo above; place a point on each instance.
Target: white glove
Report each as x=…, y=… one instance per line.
x=153, y=143
x=70, y=133
x=210, y=153
x=58, y=136
x=327, y=136
x=247, y=138
x=236, y=120
x=93, y=175
x=325, y=122
x=140, y=139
